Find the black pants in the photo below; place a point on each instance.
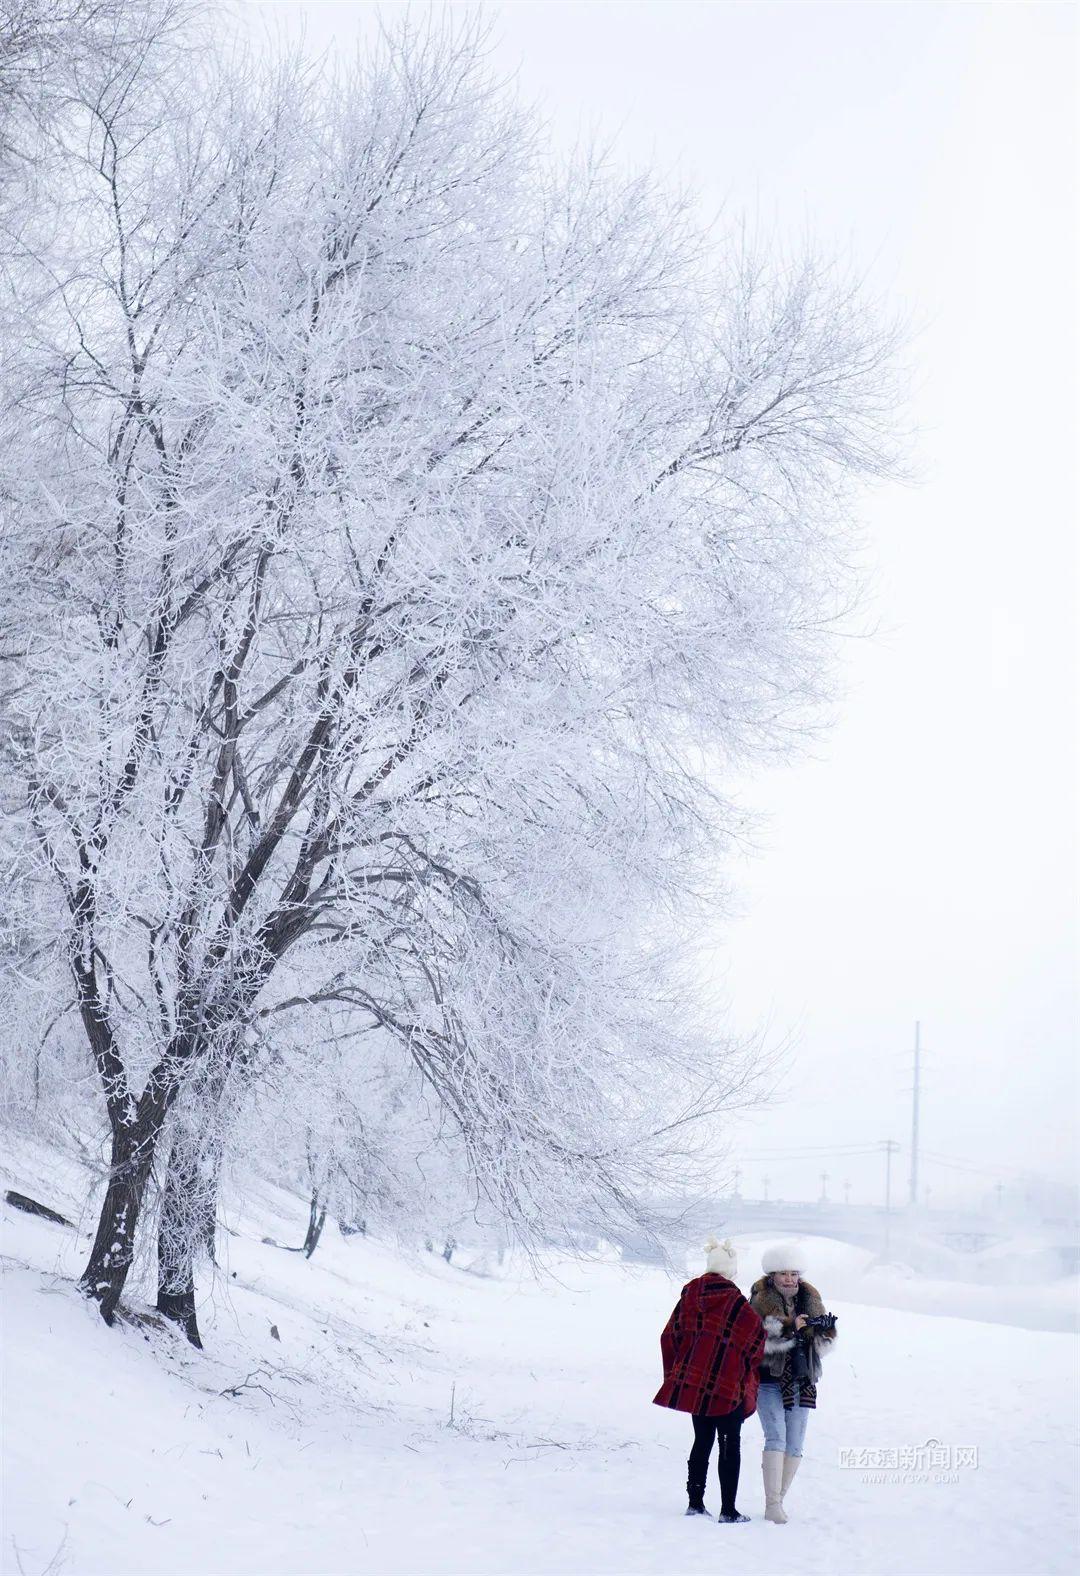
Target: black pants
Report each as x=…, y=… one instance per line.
x=725, y=1430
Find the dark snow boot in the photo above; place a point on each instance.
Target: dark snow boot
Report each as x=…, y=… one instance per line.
x=731, y=1516
x=695, y=1493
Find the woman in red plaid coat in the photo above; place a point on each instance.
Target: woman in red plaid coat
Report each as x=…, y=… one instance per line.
x=711, y=1347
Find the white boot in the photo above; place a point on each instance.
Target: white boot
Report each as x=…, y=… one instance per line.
x=791, y=1466
x=772, y=1466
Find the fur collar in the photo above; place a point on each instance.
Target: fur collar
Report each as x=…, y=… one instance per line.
x=770, y=1307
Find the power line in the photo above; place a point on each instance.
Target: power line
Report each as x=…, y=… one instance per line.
x=825, y=1152
x=963, y=1165
x=783, y=1149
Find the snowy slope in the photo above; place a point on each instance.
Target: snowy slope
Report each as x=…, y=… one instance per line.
x=414, y=1417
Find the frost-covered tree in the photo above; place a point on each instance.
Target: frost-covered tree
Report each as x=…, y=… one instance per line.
x=49, y=47
x=393, y=520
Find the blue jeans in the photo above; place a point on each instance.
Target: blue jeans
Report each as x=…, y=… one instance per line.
x=783, y=1430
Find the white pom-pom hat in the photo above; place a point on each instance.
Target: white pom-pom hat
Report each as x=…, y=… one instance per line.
x=783, y=1256
x=721, y=1258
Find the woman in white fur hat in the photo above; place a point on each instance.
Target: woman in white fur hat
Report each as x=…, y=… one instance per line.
x=790, y=1367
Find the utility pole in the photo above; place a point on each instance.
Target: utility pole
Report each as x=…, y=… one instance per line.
x=738, y=1174
x=890, y=1146
x=847, y=1192
x=913, y=1194
x=765, y=1189
x=824, y=1185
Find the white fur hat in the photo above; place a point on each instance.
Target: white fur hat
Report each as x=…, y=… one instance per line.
x=721, y=1258
x=783, y=1256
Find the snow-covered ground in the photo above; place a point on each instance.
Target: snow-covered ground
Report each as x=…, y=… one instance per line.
x=415, y=1417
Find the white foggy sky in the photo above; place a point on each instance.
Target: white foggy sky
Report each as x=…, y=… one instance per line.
x=924, y=863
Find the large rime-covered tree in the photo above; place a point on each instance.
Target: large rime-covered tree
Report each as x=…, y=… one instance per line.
x=392, y=520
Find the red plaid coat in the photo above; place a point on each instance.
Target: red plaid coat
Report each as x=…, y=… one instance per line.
x=711, y=1347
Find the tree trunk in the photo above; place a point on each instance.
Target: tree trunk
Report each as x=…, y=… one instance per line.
x=133, y=1145
x=186, y=1224
x=179, y=1306
x=316, y=1222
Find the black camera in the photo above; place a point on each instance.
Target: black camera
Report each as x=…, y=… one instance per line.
x=800, y=1357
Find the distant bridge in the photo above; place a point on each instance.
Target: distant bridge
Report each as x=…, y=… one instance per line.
x=863, y=1225
x=879, y=1231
